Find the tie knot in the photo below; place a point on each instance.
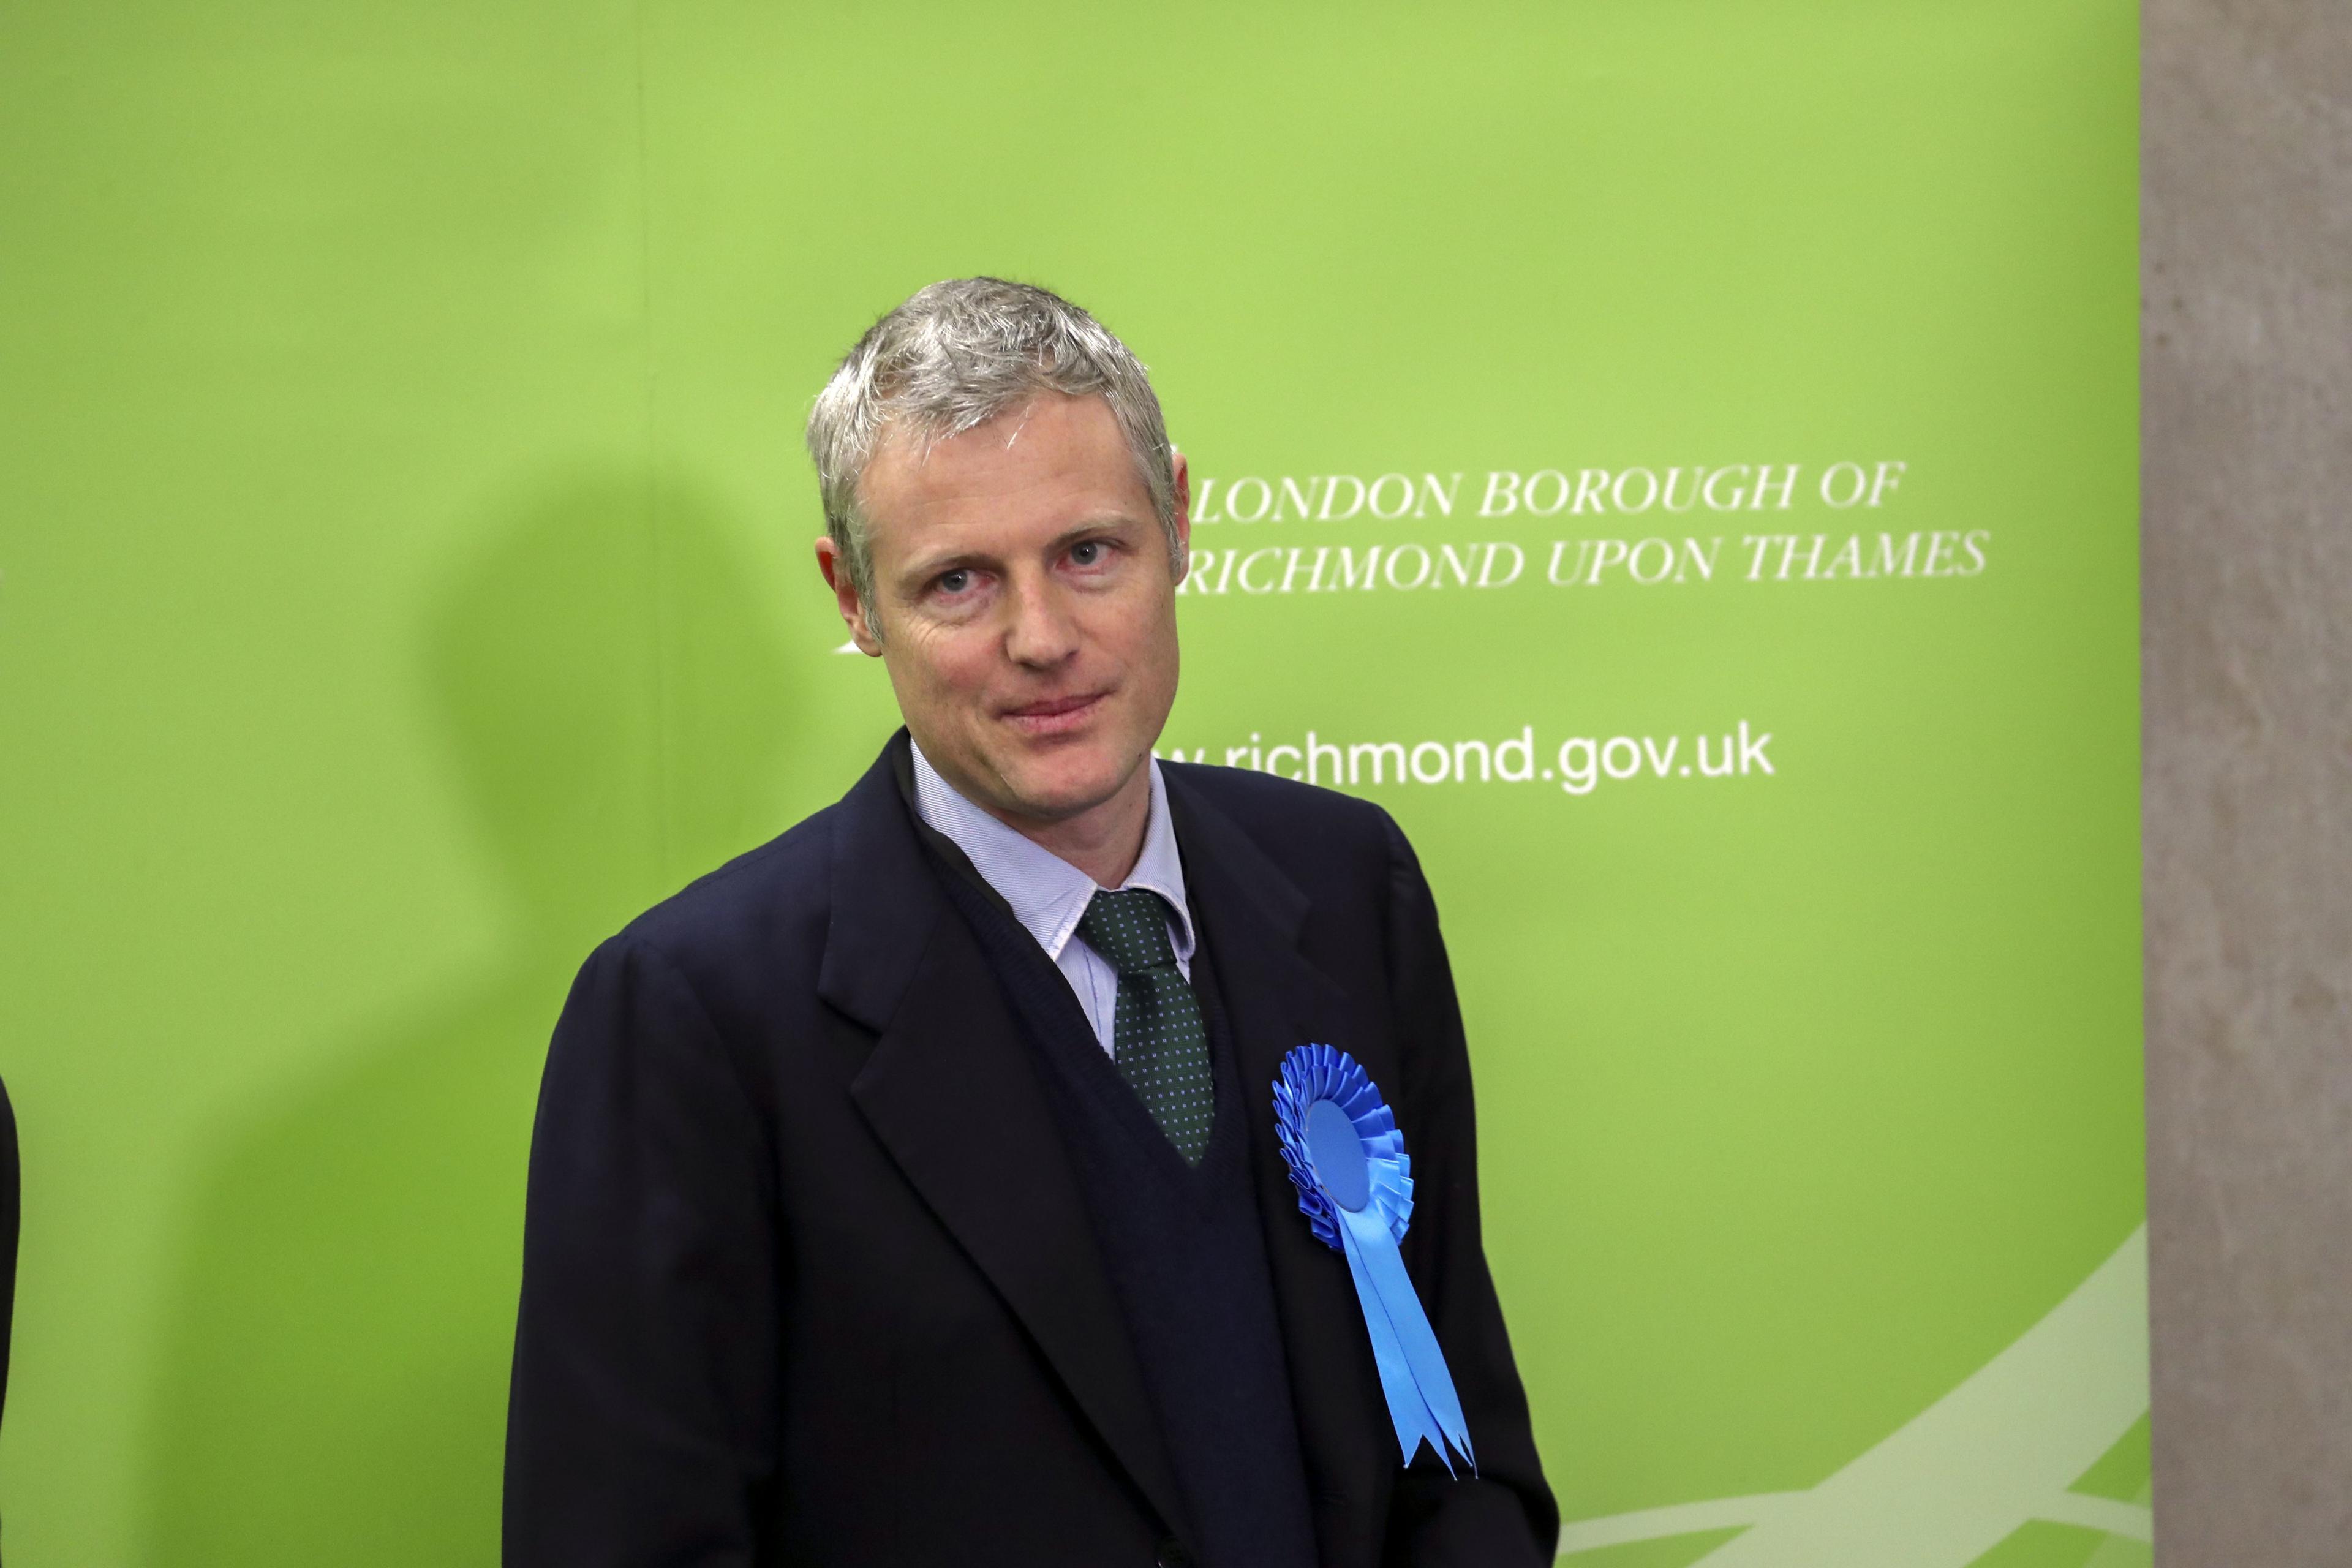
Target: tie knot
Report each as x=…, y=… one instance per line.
x=1129, y=929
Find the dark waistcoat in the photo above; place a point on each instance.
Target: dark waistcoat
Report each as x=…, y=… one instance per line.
x=1181, y=1246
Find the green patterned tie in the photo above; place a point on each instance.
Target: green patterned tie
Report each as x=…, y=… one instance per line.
x=1157, y=1036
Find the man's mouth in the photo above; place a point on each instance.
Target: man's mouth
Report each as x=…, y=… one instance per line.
x=1054, y=715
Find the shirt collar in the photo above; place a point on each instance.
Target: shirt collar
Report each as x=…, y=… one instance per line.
x=1045, y=892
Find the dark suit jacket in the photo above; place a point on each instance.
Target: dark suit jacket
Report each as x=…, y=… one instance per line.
x=806, y=1276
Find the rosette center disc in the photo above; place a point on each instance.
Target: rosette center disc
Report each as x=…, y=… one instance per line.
x=1338, y=1155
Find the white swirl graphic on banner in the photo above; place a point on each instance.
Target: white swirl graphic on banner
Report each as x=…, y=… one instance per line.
x=1996, y=1453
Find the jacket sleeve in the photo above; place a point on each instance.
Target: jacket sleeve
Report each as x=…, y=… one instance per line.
x=641, y=1422
x=1505, y=1516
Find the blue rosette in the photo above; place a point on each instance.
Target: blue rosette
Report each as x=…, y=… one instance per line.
x=1347, y=1159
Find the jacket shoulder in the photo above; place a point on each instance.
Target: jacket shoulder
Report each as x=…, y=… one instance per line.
x=765, y=905
x=1302, y=828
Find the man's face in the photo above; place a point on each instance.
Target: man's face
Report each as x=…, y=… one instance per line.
x=1026, y=605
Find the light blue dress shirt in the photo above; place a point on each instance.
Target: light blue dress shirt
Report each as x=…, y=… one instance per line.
x=1047, y=894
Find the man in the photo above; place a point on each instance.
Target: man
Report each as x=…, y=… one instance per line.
x=908, y=1191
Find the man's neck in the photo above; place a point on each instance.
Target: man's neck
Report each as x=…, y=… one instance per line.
x=1104, y=841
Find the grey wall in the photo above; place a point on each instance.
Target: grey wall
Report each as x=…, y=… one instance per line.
x=2246, y=273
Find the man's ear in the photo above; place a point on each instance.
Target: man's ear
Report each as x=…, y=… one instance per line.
x=1183, y=514
x=834, y=566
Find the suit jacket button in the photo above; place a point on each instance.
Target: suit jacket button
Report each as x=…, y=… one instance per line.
x=1171, y=1553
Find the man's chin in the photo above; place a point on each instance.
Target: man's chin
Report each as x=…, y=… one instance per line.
x=1058, y=792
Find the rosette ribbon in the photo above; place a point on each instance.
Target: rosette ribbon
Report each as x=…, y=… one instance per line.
x=1355, y=1184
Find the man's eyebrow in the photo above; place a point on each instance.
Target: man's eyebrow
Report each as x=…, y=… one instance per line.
x=1095, y=524
x=926, y=566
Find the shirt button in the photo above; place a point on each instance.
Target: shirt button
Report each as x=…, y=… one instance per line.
x=1171, y=1553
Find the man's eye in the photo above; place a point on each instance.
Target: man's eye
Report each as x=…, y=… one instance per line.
x=954, y=582
x=1086, y=552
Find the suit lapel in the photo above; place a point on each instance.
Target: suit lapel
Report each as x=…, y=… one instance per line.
x=1251, y=916
x=951, y=1090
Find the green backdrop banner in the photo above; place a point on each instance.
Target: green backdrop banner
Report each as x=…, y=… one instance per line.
x=1678, y=457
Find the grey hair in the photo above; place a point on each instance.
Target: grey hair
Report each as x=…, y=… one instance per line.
x=955, y=355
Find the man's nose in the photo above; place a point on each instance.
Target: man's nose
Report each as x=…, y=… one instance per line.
x=1042, y=632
